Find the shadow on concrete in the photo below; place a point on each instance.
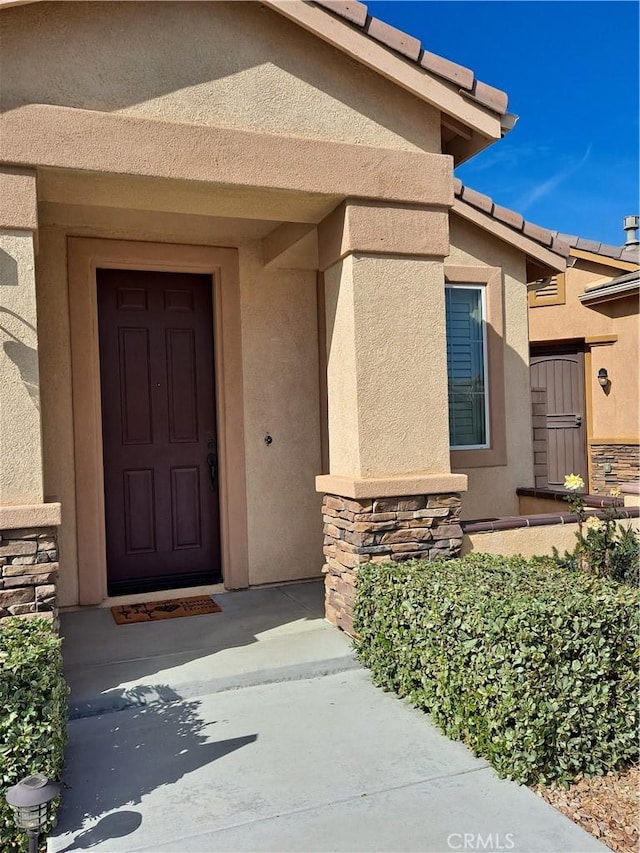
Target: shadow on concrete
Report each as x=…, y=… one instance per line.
x=100, y=655
x=116, y=825
x=138, y=750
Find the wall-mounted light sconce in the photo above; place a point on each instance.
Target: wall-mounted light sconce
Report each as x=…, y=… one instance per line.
x=603, y=377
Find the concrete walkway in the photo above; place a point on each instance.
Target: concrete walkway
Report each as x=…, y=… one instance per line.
x=255, y=729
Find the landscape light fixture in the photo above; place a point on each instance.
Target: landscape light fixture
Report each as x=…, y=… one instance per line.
x=30, y=800
x=603, y=377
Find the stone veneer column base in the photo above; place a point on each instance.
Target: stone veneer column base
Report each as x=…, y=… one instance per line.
x=370, y=530
x=28, y=572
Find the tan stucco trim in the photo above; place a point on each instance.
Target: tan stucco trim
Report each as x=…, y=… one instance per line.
x=496, y=454
x=63, y=137
x=445, y=96
x=292, y=245
x=502, y=232
x=635, y=439
x=389, y=487
x=600, y=340
x=84, y=257
x=19, y=208
x=627, y=266
x=322, y=372
x=383, y=229
x=38, y=515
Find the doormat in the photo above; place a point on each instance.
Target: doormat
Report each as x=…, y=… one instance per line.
x=152, y=611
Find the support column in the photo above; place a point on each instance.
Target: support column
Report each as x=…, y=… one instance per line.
x=390, y=493
x=28, y=534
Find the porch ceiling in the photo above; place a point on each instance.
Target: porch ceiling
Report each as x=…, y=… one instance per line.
x=266, y=206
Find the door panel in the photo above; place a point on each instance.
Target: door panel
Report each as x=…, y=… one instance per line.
x=561, y=375
x=158, y=419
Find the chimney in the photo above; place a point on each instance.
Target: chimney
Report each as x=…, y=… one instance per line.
x=631, y=225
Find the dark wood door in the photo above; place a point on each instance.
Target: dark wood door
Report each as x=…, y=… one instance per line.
x=159, y=434
x=560, y=374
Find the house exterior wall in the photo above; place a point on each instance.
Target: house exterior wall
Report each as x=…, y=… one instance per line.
x=170, y=63
x=137, y=96
x=280, y=365
x=163, y=61
x=492, y=489
x=21, y=468
x=610, y=334
x=528, y=541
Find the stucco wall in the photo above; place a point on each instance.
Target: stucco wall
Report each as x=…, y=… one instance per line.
x=279, y=337
x=492, y=491
x=614, y=414
x=528, y=541
x=20, y=465
x=235, y=65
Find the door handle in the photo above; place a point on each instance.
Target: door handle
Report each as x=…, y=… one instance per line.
x=212, y=462
x=578, y=420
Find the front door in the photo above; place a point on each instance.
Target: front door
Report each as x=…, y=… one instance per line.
x=159, y=431
x=560, y=374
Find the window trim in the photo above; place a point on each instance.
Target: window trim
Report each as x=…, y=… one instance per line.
x=496, y=453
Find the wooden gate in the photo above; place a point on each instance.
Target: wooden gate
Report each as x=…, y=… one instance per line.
x=560, y=374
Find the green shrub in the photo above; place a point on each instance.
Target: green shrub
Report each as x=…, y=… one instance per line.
x=608, y=549
x=531, y=666
x=33, y=712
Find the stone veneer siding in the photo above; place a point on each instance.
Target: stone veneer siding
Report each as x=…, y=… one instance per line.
x=378, y=531
x=28, y=571
x=624, y=460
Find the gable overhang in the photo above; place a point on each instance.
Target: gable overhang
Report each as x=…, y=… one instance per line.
x=473, y=115
x=467, y=126
x=604, y=260
x=620, y=288
x=540, y=261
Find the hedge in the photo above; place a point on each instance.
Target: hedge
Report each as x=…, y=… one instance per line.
x=533, y=667
x=33, y=712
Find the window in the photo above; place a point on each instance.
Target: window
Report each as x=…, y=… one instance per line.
x=467, y=366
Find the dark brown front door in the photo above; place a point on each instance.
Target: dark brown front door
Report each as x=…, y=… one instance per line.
x=560, y=373
x=159, y=435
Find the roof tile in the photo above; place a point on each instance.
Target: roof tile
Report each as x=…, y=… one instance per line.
x=509, y=217
x=395, y=39
x=632, y=255
x=351, y=10
x=560, y=247
x=569, y=239
x=559, y=243
x=448, y=70
x=588, y=246
x=540, y=235
x=610, y=251
x=476, y=199
x=494, y=99
x=512, y=219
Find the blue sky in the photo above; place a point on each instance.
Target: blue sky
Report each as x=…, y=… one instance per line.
x=571, y=72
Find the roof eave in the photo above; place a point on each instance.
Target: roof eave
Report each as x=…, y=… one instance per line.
x=609, y=293
x=540, y=260
x=621, y=263
x=484, y=125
